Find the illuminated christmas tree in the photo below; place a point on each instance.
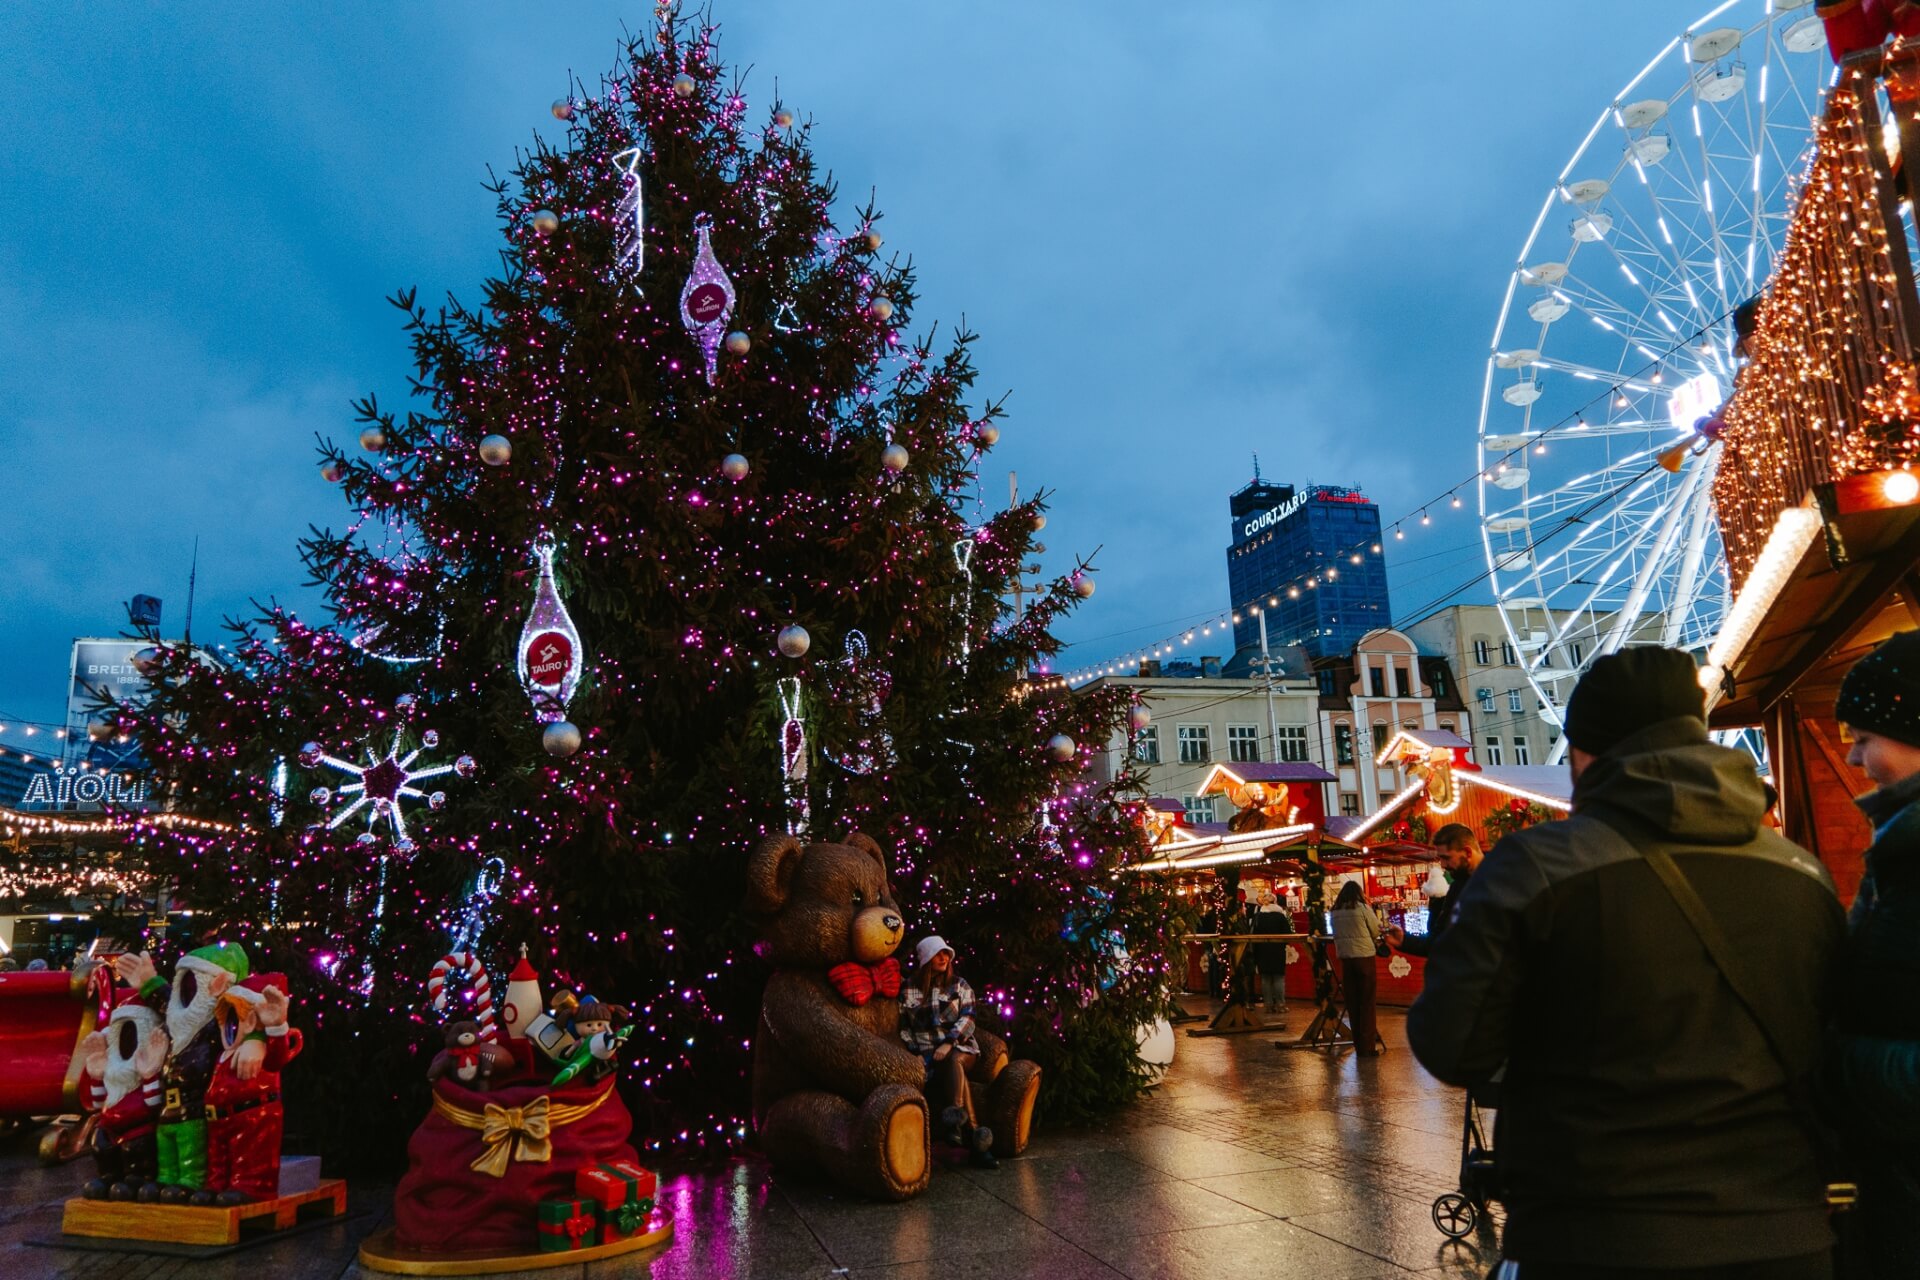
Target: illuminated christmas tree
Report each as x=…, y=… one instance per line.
x=681, y=547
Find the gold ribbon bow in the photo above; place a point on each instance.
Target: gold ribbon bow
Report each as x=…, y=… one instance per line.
x=515, y=1133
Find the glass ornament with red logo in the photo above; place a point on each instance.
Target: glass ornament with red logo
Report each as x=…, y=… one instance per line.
x=706, y=303
x=550, y=659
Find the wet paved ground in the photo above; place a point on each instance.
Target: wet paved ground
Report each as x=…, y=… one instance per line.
x=1247, y=1163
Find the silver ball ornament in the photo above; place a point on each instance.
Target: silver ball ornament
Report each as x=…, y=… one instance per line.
x=783, y=119
x=496, y=450
x=1039, y=521
x=895, y=458
x=563, y=108
x=988, y=435
x=1082, y=586
x=1061, y=747
x=309, y=754
x=466, y=766
x=738, y=343
x=1141, y=717
x=881, y=308
x=561, y=738
x=431, y=738
x=404, y=847
x=366, y=839
x=735, y=466
x=685, y=85
x=331, y=471
x=545, y=221
x=373, y=439
x=794, y=641
x=321, y=796
x=437, y=801
x=874, y=241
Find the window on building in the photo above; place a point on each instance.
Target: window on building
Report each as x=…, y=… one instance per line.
x=1514, y=702
x=1402, y=687
x=1482, y=653
x=1199, y=808
x=1437, y=678
x=1327, y=686
x=1343, y=744
x=1520, y=755
x=1292, y=743
x=1493, y=750
x=1350, y=803
x=1446, y=726
x=1573, y=653
x=1507, y=657
x=1243, y=742
x=1146, y=745
x=1376, y=680
x=1196, y=746
x=1486, y=701
x=1409, y=724
x=1379, y=736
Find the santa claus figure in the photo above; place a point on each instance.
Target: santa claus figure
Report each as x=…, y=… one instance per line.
x=120, y=1082
x=244, y=1115
x=199, y=980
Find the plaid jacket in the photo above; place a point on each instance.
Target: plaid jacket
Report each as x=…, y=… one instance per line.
x=942, y=1016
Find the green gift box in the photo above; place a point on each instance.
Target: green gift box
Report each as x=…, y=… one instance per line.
x=567, y=1225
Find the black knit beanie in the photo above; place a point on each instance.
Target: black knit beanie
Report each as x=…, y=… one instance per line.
x=1882, y=692
x=1625, y=692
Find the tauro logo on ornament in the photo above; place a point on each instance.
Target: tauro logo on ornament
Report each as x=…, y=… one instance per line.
x=549, y=659
x=706, y=303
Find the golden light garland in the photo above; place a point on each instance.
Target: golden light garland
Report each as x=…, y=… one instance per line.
x=1831, y=389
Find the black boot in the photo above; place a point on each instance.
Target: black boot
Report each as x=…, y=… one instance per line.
x=953, y=1126
x=980, y=1148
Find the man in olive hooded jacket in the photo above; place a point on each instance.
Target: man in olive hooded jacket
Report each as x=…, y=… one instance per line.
x=1645, y=1126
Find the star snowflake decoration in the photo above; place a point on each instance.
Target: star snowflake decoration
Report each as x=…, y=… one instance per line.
x=382, y=784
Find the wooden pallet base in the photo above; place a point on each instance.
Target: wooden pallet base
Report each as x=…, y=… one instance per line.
x=379, y=1252
x=188, y=1224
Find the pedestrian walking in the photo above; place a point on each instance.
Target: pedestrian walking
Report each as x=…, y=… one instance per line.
x=1654, y=972
x=1271, y=957
x=1877, y=1052
x=1357, y=940
x=1460, y=857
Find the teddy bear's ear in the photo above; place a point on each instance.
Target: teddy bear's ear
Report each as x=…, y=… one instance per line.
x=770, y=869
x=867, y=845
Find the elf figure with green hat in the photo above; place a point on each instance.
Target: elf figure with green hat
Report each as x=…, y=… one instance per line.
x=199, y=980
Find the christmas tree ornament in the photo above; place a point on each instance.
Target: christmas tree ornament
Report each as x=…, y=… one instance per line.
x=783, y=119
x=1039, y=521
x=524, y=1001
x=468, y=966
x=738, y=343
x=1061, y=747
x=881, y=308
x=466, y=766
x=561, y=739
x=787, y=320
x=496, y=450
x=430, y=738
x=310, y=755
x=735, y=467
x=473, y=916
x=1083, y=586
x=563, y=109
x=405, y=703
x=549, y=659
x=855, y=681
x=987, y=435
x=963, y=560
x=793, y=754
x=322, y=796
x=379, y=786
x=706, y=303
x=437, y=801
x=794, y=640
x=684, y=85
x=1141, y=717
x=873, y=241
x=895, y=458
x=331, y=471
x=373, y=439
x=544, y=221
x=629, y=220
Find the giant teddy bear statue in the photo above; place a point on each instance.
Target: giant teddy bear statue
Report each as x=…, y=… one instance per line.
x=834, y=1087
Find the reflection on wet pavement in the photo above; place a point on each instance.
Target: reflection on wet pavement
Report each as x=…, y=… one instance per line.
x=1246, y=1162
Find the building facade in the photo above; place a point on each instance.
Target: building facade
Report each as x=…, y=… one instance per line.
x=1285, y=537
x=1384, y=685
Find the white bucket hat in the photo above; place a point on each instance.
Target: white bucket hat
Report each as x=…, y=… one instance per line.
x=930, y=946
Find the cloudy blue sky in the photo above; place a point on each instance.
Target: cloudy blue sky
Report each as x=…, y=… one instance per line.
x=1185, y=232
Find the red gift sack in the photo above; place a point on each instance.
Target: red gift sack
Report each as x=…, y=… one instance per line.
x=480, y=1163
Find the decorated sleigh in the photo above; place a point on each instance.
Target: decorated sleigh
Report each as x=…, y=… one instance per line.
x=43, y=1019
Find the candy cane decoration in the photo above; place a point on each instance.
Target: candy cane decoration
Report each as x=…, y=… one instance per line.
x=476, y=975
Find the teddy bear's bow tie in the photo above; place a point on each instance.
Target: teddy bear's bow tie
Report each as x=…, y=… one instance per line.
x=858, y=983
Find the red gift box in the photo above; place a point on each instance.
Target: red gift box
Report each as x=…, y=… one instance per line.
x=622, y=1192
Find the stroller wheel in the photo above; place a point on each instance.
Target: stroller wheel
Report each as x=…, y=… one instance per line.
x=1455, y=1215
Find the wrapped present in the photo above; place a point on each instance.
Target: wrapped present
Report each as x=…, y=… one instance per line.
x=622, y=1192
x=566, y=1225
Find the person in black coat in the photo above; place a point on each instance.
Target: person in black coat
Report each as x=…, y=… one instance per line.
x=1271, y=957
x=1876, y=1054
x=1460, y=855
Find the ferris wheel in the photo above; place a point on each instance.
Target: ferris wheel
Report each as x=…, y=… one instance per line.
x=1616, y=336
